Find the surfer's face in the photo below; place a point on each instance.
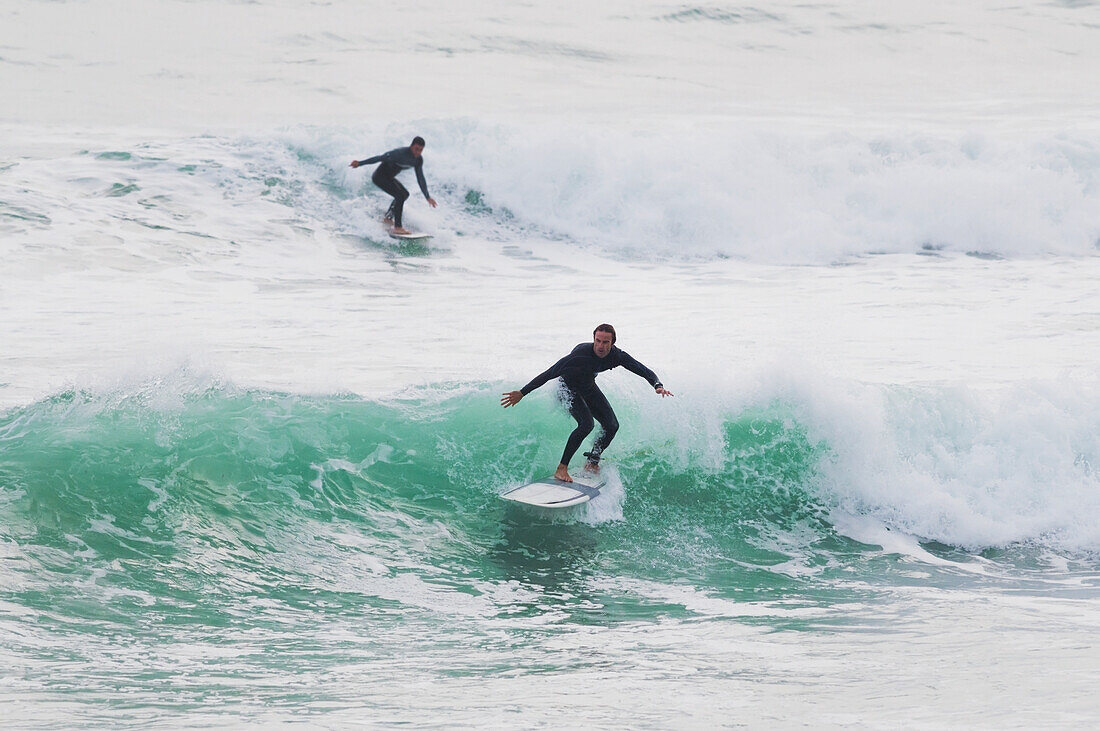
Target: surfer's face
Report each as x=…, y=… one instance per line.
x=601, y=343
x=417, y=150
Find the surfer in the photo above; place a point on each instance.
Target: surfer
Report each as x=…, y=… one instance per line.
x=583, y=397
x=385, y=177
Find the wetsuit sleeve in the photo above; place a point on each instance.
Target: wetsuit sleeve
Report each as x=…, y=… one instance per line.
x=420, y=177
x=384, y=157
x=552, y=372
x=628, y=362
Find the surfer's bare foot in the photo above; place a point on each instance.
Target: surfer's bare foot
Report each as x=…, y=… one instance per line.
x=402, y=231
x=592, y=467
x=562, y=474
x=387, y=220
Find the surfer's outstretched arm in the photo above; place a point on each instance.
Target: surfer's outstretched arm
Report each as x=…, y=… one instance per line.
x=634, y=366
x=368, y=161
x=552, y=372
x=511, y=398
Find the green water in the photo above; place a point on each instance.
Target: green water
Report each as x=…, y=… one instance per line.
x=244, y=549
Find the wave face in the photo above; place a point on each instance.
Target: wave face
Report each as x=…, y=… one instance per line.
x=223, y=491
x=150, y=496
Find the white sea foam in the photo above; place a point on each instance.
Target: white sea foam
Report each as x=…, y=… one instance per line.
x=965, y=466
x=783, y=196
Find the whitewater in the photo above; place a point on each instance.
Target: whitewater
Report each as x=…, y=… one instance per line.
x=251, y=448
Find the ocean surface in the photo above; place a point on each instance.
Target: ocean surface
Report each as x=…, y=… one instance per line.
x=251, y=448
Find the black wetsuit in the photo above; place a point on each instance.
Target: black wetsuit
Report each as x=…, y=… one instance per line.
x=385, y=177
x=585, y=399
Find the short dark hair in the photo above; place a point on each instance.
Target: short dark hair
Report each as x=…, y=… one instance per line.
x=418, y=140
x=605, y=328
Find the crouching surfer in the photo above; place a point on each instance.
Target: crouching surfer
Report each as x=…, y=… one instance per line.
x=583, y=397
x=385, y=177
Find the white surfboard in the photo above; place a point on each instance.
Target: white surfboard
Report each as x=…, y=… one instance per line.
x=409, y=236
x=553, y=493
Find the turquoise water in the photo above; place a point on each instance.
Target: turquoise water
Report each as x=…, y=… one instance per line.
x=270, y=556
x=183, y=506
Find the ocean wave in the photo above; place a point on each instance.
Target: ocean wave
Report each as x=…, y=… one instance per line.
x=702, y=191
x=780, y=195
x=762, y=477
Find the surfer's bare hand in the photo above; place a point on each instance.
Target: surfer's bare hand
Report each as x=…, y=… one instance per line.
x=664, y=392
x=431, y=202
x=511, y=398
x=354, y=163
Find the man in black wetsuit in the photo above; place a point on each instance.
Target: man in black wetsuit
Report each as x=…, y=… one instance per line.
x=385, y=177
x=577, y=372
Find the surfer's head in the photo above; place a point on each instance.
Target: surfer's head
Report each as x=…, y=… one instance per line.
x=417, y=146
x=603, y=337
